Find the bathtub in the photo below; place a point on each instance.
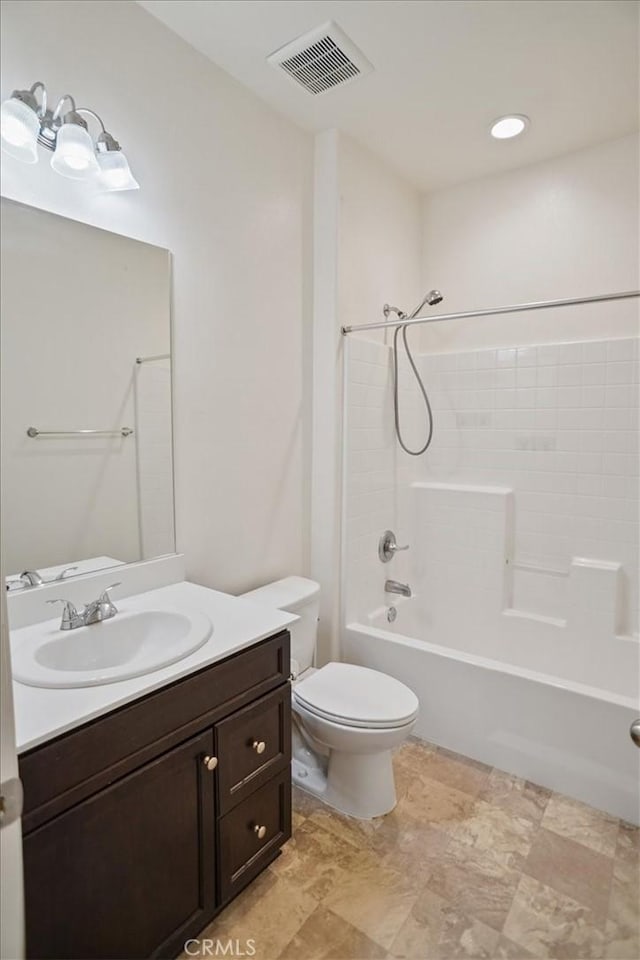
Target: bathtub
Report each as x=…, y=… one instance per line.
x=570, y=736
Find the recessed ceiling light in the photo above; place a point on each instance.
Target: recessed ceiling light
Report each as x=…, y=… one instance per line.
x=505, y=127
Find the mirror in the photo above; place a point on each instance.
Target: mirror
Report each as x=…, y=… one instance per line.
x=87, y=469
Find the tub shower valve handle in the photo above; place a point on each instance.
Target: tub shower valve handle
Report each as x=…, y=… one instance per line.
x=634, y=732
x=388, y=547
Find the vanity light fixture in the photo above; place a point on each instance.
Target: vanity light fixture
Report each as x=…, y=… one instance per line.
x=27, y=122
x=510, y=126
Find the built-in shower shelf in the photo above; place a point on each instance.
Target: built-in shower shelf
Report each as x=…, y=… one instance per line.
x=467, y=543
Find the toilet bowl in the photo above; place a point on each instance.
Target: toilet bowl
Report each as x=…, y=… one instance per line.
x=347, y=719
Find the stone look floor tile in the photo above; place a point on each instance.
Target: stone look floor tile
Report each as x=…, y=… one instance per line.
x=517, y=796
x=622, y=930
x=314, y=859
x=628, y=845
x=407, y=764
x=373, y=898
x=467, y=776
x=435, y=803
x=549, y=924
x=271, y=913
x=475, y=882
x=434, y=928
x=572, y=869
x=504, y=835
x=508, y=950
x=576, y=821
x=326, y=936
x=356, y=832
x=409, y=847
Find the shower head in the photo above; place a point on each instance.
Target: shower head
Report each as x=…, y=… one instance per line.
x=432, y=298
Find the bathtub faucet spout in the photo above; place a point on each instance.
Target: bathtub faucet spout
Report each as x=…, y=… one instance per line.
x=392, y=586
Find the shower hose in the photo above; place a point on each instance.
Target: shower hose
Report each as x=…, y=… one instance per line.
x=396, y=411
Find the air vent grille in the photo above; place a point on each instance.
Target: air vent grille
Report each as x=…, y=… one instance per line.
x=322, y=59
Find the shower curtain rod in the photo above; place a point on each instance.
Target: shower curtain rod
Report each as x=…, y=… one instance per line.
x=514, y=308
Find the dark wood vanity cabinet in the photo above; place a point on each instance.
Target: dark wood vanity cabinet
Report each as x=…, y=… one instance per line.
x=140, y=826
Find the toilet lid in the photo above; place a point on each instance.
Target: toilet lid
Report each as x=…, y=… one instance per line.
x=357, y=696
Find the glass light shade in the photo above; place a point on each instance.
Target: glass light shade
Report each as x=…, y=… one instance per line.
x=506, y=127
x=20, y=127
x=115, y=173
x=74, y=155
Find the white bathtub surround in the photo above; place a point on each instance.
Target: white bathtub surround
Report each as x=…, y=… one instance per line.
x=523, y=560
x=556, y=424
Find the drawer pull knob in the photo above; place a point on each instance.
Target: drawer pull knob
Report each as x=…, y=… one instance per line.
x=211, y=763
x=259, y=746
x=260, y=831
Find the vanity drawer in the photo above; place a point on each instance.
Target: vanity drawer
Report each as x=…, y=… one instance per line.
x=252, y=745
x=252, y=833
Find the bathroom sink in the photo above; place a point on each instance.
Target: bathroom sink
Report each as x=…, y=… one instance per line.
x=128, y=645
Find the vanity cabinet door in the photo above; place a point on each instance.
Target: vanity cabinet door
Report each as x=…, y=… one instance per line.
x=129, y=872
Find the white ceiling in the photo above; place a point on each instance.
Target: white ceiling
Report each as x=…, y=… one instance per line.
x=444, y=69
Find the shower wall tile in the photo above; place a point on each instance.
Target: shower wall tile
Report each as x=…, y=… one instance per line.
x=556, y=423
x=563, y=434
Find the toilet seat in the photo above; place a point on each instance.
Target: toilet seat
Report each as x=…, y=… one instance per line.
x=355, y=696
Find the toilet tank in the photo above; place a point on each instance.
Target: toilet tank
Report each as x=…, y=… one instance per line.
x=302, y=597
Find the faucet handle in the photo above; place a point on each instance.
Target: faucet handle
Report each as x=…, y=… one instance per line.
x=64, y=572
x=104, y=596
x=70, y=615
x=105, y=599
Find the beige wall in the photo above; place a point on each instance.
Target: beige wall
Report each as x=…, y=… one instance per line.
x=367, y=251
x=380, y=238
x=567, y=227
x=226, y=186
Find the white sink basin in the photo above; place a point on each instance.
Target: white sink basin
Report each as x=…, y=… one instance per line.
x=128, y=645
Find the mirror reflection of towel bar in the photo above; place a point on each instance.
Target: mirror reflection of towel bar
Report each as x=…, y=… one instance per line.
x=157, y=356
x=121, y=432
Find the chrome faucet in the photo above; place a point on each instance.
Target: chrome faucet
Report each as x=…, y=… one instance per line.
x=95, y=612
x=392, y=586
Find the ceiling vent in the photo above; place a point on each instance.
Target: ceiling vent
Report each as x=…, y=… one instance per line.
x=321, y=59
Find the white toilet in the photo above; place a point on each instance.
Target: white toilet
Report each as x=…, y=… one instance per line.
x=346, y=719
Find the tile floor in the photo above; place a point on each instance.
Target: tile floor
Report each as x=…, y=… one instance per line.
x=471, y=863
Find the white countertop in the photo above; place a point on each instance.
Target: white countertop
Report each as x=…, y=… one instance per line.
x=42, y=713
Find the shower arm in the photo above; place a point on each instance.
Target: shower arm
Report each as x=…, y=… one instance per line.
x=387, y=309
